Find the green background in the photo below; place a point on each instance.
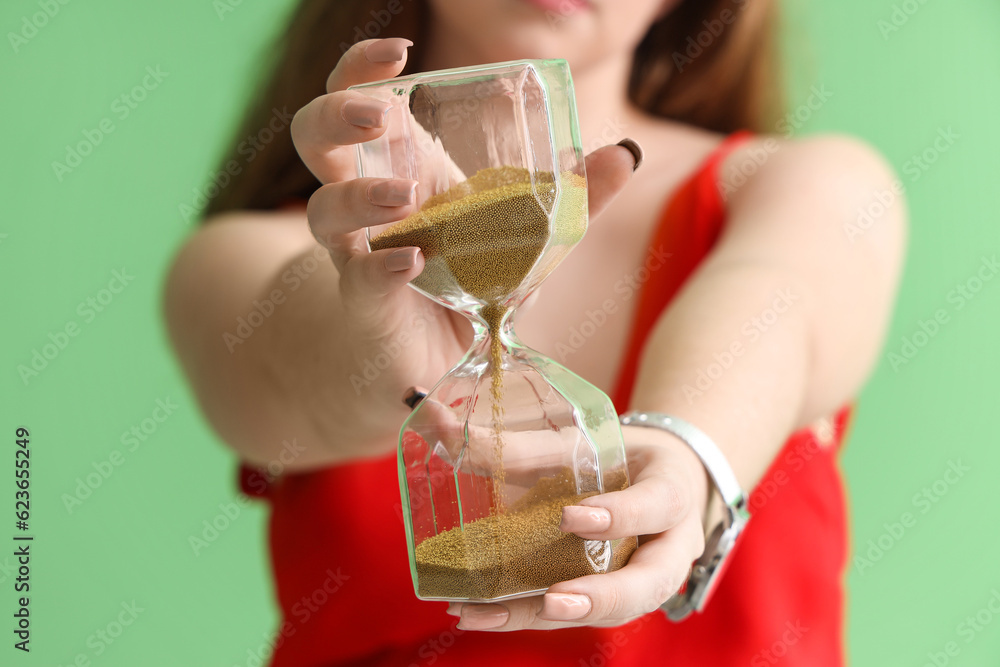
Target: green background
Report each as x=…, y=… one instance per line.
x=60, y=241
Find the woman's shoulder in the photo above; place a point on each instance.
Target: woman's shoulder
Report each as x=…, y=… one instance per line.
x=816, y=191
x=759, y=158
x=825, y=164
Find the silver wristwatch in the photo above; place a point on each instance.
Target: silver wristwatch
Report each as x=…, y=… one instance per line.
x=706, y=571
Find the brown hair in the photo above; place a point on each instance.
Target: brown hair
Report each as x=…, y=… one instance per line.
x=709, y=63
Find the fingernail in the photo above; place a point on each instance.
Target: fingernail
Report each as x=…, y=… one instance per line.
x=412, y=398
x=392, y=192
x=402, y=259
x=454, y=609
x=580, y=519
x=635, y=149
x=482, y=617
x=365, y=113
x=565, y=607
x=389, y=50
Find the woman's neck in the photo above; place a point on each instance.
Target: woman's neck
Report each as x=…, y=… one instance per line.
x=605, y=112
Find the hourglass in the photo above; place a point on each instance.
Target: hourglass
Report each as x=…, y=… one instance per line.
x=508, y=437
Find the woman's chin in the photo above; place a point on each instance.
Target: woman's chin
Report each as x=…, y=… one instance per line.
x=541, y=45
x=501, y=30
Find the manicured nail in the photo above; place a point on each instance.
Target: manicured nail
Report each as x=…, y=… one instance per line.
x=389, y=50
x=482, y=616
x=580, y=519
x=564, y=607
x=392, y=192
x=635, y=149
x=412, y=398
x=365, y=113
x=402, y=259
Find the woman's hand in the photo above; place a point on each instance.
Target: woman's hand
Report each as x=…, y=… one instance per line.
x=375, y=305
x=664, y=506
x=377, y=308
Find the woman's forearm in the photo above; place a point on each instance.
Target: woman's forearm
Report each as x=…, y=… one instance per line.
x=782, y=324
x=253, y=311
x=339, y=402
x=732, y=357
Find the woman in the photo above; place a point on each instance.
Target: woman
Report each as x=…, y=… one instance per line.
x=775, y=318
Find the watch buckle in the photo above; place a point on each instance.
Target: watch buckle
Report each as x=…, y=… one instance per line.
x=707, y=569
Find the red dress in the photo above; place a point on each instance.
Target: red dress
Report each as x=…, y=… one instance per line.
x=343, y=579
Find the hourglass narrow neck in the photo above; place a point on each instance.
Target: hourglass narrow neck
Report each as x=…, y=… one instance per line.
x=498, y=324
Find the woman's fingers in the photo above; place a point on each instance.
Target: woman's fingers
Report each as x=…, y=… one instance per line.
x=659, y=497
x=655, y=572
x=323, y=128
x=608, y=172
x=339, y=212
x=367, y=277
x=370, y=60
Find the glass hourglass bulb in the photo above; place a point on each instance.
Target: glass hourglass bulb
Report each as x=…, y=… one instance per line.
x=508, y=437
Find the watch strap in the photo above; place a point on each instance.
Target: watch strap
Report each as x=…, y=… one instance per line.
x=707, y=569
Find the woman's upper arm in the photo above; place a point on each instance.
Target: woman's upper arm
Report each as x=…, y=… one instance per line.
x=214, y=279
x=830, y=213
